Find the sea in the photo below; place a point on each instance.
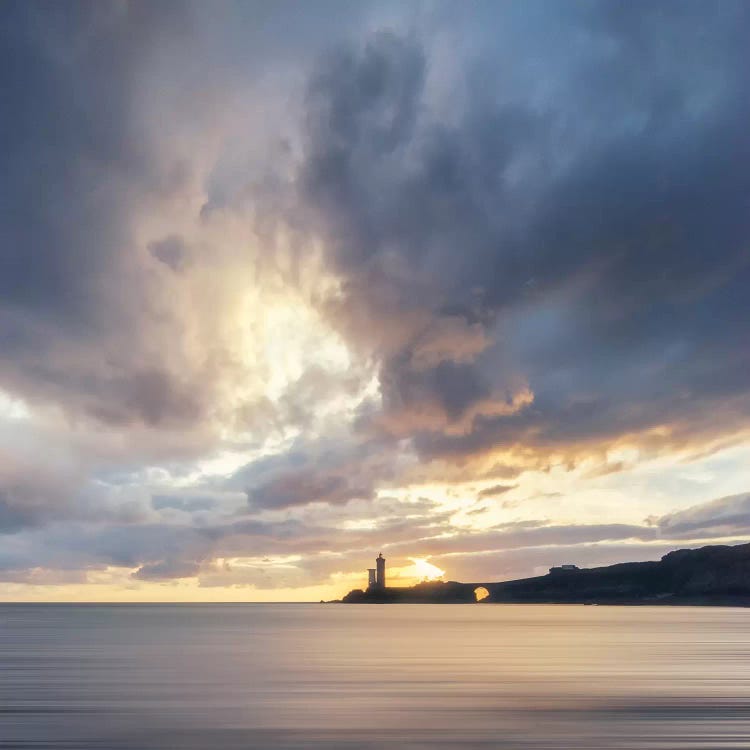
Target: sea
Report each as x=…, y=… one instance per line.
x=336, y=676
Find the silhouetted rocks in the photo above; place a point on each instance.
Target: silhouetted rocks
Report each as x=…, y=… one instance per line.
x=431, y=592
x=716, y=575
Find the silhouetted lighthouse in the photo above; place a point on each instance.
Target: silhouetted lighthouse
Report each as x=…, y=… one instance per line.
x=380, y=563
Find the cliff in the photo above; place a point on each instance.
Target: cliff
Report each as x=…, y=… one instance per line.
x=716, y=575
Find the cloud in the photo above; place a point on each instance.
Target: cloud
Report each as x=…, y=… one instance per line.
x=599, y=283
x=726, y=516
x=121, y=304
x=363, y=259
x=190, y=504
x=171, y=251
x=167, y=570
x=532, y=534
x=299, y=488
x=78, y=172
x=15, y=516
x=333, y=470
x=495, y=490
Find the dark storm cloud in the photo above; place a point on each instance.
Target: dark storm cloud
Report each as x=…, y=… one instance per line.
x=603, y=235
x=77, y=162
x=69, y=133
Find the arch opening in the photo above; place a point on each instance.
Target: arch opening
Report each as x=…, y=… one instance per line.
x=481, y=593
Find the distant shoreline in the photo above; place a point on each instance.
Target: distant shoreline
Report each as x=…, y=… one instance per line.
x=713, y=576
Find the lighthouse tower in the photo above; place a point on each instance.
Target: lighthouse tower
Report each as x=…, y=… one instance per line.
x=380, y=565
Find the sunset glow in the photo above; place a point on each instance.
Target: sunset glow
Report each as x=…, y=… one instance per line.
x=425, y=570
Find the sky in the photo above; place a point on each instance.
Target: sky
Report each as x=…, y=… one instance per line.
x=284, y=285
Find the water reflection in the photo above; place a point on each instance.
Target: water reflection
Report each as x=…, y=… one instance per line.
x=338, y=676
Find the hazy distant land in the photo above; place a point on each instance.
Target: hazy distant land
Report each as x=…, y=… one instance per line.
x=714, y=575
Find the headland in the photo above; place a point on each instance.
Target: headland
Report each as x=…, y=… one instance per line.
x=716, y=575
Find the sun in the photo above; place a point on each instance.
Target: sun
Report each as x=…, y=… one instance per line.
x=426, y=570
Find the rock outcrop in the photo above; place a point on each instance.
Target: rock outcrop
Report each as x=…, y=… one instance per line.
x=716, y=575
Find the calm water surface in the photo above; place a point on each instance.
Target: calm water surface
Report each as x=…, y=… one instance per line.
x=231, y=677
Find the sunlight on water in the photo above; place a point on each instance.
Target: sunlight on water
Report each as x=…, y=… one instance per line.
x=407, y=676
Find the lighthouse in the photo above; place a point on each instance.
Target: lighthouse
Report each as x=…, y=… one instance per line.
x=380, y=566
